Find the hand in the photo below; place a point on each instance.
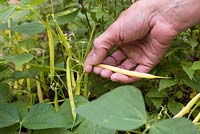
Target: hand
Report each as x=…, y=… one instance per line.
x=142, y=35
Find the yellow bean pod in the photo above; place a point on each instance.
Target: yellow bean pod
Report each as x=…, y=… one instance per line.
x=129, y=73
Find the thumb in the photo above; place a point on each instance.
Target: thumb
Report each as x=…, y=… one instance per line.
x=102, y=46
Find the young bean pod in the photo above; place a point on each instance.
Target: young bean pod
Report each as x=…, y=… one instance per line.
x=129, y=73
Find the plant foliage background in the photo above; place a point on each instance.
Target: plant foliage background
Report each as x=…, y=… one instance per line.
x=44, y=89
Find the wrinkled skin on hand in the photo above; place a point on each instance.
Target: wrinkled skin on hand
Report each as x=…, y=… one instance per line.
x=142, y=35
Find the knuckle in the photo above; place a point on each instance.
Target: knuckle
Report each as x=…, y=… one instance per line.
x=97, y=42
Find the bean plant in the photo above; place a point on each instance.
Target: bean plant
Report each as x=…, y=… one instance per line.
x=45, y=90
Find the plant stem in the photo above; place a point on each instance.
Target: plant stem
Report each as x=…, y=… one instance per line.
x=39, y=91
x=187, y=108
x=86, y=16
x=193, y=109
x=90, y=41
x=52, y=9
x=102, y=16
x=85, y=86
x=56, y=99
x=146, y=129
x=196, y=119
x=73, y=79
x=42, y=78
x=78, y=87
x=9, y=32
x=115, y=9
x=28, y=81
x=20, y=127
x=122, y=3
x=45, y=67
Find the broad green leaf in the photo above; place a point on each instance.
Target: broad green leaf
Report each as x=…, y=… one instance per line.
x=157, y=97
x=120, y=109
x=65, y=110
x=187, y=68
x=3, y=1
x=8, y=115
x=174, y=126
x=178, y=45
x=5, y=13
x=196, y=65
x=174, y=107
x=4, y=92
x=22, y=108
x=36, y=2
x=157, y=94
x=193, y=42
x=5, y=72
x=157, y=102
x=87, y=127
x=43, y=116
x=31, y=28
x=53, y=131
x=19, y=59
x=9, y=130
x=66, y=2
x=166, y=83
x=191, y=83
x=31, y=73
x=63, y=18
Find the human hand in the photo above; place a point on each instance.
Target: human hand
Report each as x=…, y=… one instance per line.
x=142, y=35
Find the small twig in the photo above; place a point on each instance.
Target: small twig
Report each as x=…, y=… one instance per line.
x=85, y=13
x=187, y=108
x=39, y=91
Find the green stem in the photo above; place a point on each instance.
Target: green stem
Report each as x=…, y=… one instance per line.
x=90, y=41
x=193, y=110
x=86, y=16
x=10, y=34
x=56, y=100
x=78, y=84
x=115, y=9
x=45, y=67
x=102, y=16
x=28, y=81
x=42, y=78
x=197, y=118
x=146, y=129
x=52, y=9
x=39, y=91
x=20, y=127
x=85, y=86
